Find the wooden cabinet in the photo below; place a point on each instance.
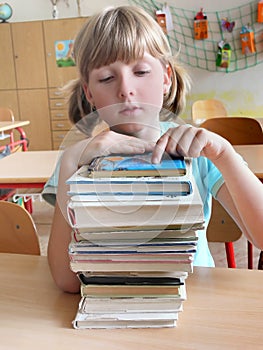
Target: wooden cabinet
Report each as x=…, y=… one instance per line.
x=30, y=77
x=33, y=105
x=59, y=30
x=60, y=124
x=29, y=55
x=7, y=67
x=63, y=29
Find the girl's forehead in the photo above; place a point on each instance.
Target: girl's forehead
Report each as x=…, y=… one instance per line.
x=125, y=55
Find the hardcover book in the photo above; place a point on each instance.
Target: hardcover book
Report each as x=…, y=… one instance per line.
x=136, y=236
x=185, y=210
x=126, y=304
x=136, y=165
x=127, y=186
x=125, y=320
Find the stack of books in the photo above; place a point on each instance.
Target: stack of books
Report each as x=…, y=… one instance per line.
x=134, y=241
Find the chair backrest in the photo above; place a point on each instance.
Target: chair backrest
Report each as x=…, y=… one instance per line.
x=17, y=230
x=206, y=109
x=222, y=228
x=6, y=114
x=237, y=130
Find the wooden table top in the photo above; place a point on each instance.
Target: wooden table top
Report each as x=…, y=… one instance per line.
x=223, y=310
x=5, y=126
x=28, y=167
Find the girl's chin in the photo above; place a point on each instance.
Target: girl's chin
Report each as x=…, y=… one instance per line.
x=128, y=129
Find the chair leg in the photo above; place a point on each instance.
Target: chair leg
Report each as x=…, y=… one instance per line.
x=249, y=255
x=260, y=261
x=28, y=205
x=230, y=254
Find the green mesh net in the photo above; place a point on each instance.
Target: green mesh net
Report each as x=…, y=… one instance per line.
x=203, y=53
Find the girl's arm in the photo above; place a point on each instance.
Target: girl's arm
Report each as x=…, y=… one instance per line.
x=243, y=196
x=58, y=257
x=242, y=193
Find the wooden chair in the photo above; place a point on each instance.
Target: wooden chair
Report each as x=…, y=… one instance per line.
x=205, y=109
x=238, y=131
x=6, y=114
x=223, y=229
x=18, y=231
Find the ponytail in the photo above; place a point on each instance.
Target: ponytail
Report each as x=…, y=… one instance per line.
x=79, y=110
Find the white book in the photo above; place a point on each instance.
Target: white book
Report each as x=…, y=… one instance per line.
x=135, y=304
x=145, y=319
x=117, y=266
x=80, y=322
x=131, y=236
x=184, y=210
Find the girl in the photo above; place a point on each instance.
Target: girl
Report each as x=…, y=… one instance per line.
x=128, y=73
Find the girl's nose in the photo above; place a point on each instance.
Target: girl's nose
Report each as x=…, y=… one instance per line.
x=126, y=89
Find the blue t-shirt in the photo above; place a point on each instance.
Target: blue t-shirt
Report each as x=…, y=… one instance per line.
x=208, y=179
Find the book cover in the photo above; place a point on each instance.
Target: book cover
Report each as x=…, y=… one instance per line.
x=120, y=266
x=128, y=258
x=147, y=230
x=137, y=214
x=153, y=274
x=140, y=186
x=135, y=304
x=135, y=237
x=131, y=291
x=142, y=248
x=129, y=280
x=83, y=321
x=135, y=165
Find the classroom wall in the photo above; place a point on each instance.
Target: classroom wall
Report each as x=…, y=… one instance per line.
x=241, y=91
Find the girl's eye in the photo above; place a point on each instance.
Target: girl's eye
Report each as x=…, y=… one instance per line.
x=142, y=72
x=106, y=79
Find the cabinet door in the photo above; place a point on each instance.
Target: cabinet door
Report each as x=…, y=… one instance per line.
x=29, y=55
x=34, y=107
x=8, y=79
x=59, y=30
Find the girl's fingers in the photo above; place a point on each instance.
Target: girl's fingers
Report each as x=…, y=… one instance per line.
x=159, y=148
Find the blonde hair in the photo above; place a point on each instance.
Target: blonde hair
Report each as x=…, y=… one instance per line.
x=123, y=33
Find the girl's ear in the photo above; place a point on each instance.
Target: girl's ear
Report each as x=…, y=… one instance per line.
x=167, y=81
x=88, y=94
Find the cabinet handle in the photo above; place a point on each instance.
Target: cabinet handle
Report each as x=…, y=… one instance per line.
x=60, y=125
x=58, y=104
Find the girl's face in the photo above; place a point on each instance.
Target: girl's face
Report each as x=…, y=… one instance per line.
x=129, y=97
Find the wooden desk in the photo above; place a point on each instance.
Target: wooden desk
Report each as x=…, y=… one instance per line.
x=27, y=169
x=223, y=310
x=253, y=155
x=6, y=126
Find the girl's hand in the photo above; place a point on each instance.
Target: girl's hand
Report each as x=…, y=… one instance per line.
x=110, y=142
x=189, y=141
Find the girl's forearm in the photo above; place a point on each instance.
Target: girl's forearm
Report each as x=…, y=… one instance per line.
x=246, y=191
